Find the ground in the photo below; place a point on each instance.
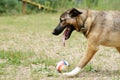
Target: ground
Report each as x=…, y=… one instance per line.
x=29, y=51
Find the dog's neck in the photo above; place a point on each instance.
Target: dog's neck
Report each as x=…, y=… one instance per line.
x=87, y=21
x=84, y=17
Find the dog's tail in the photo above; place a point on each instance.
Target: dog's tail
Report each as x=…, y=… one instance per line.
x=73, y=73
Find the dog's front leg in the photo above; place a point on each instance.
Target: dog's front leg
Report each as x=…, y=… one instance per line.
x=118, y=48
x=91, y=50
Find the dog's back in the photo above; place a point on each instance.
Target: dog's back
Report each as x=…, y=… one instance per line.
x=116, y=20
x=109, y=24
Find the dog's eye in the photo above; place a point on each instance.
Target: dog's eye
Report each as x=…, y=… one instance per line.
x=61, y=19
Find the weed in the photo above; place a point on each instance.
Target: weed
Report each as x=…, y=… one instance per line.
x=116, y=78
x=89, y=67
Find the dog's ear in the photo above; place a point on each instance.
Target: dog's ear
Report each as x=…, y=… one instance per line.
x=74, y=12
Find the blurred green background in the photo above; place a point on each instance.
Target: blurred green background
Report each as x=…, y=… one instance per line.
x=13, y=7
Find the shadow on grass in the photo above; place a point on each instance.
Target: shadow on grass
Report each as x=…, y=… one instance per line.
x=100, y=73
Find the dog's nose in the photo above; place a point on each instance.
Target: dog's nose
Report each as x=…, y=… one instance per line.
x=53, y=32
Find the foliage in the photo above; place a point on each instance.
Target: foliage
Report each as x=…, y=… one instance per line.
x=9, y=6
x=103, y=4
x=15, y=6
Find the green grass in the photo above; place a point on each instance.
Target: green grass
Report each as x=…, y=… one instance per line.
x=28, y=51
x=15, y=57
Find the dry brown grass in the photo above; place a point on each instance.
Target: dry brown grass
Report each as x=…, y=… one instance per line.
x=32, y=33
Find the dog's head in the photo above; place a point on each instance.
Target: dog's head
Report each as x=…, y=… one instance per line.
x=70, y=21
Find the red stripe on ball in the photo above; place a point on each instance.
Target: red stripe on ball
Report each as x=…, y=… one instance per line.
x=59, y=68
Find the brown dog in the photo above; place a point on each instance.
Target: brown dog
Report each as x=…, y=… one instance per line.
x=99, y=27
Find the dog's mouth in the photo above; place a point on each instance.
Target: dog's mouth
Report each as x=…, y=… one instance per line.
x=67, y=33
x=68, y=29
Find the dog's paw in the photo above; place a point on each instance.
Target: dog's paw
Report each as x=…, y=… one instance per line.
x=73, y=73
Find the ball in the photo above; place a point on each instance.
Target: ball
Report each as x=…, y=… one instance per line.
x=62, y=66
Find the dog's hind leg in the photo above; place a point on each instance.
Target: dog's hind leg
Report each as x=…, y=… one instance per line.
x=118, y=48
x=91, y=50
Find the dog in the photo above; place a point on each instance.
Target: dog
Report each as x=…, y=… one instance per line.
x=99, y=27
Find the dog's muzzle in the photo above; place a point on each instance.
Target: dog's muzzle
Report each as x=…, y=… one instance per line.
x=58, y=30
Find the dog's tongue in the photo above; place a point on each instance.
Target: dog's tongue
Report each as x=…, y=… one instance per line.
x=65, y=34
x=63, y=40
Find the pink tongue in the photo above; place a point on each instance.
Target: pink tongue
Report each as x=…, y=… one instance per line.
x=64, y=35
x=63, y=40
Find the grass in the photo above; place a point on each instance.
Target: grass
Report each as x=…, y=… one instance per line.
x=28, y=51
x=15, y=57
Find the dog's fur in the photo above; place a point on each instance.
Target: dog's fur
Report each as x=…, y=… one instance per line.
x=99, y=27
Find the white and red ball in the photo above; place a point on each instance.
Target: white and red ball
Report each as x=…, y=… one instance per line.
x=62, y=66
